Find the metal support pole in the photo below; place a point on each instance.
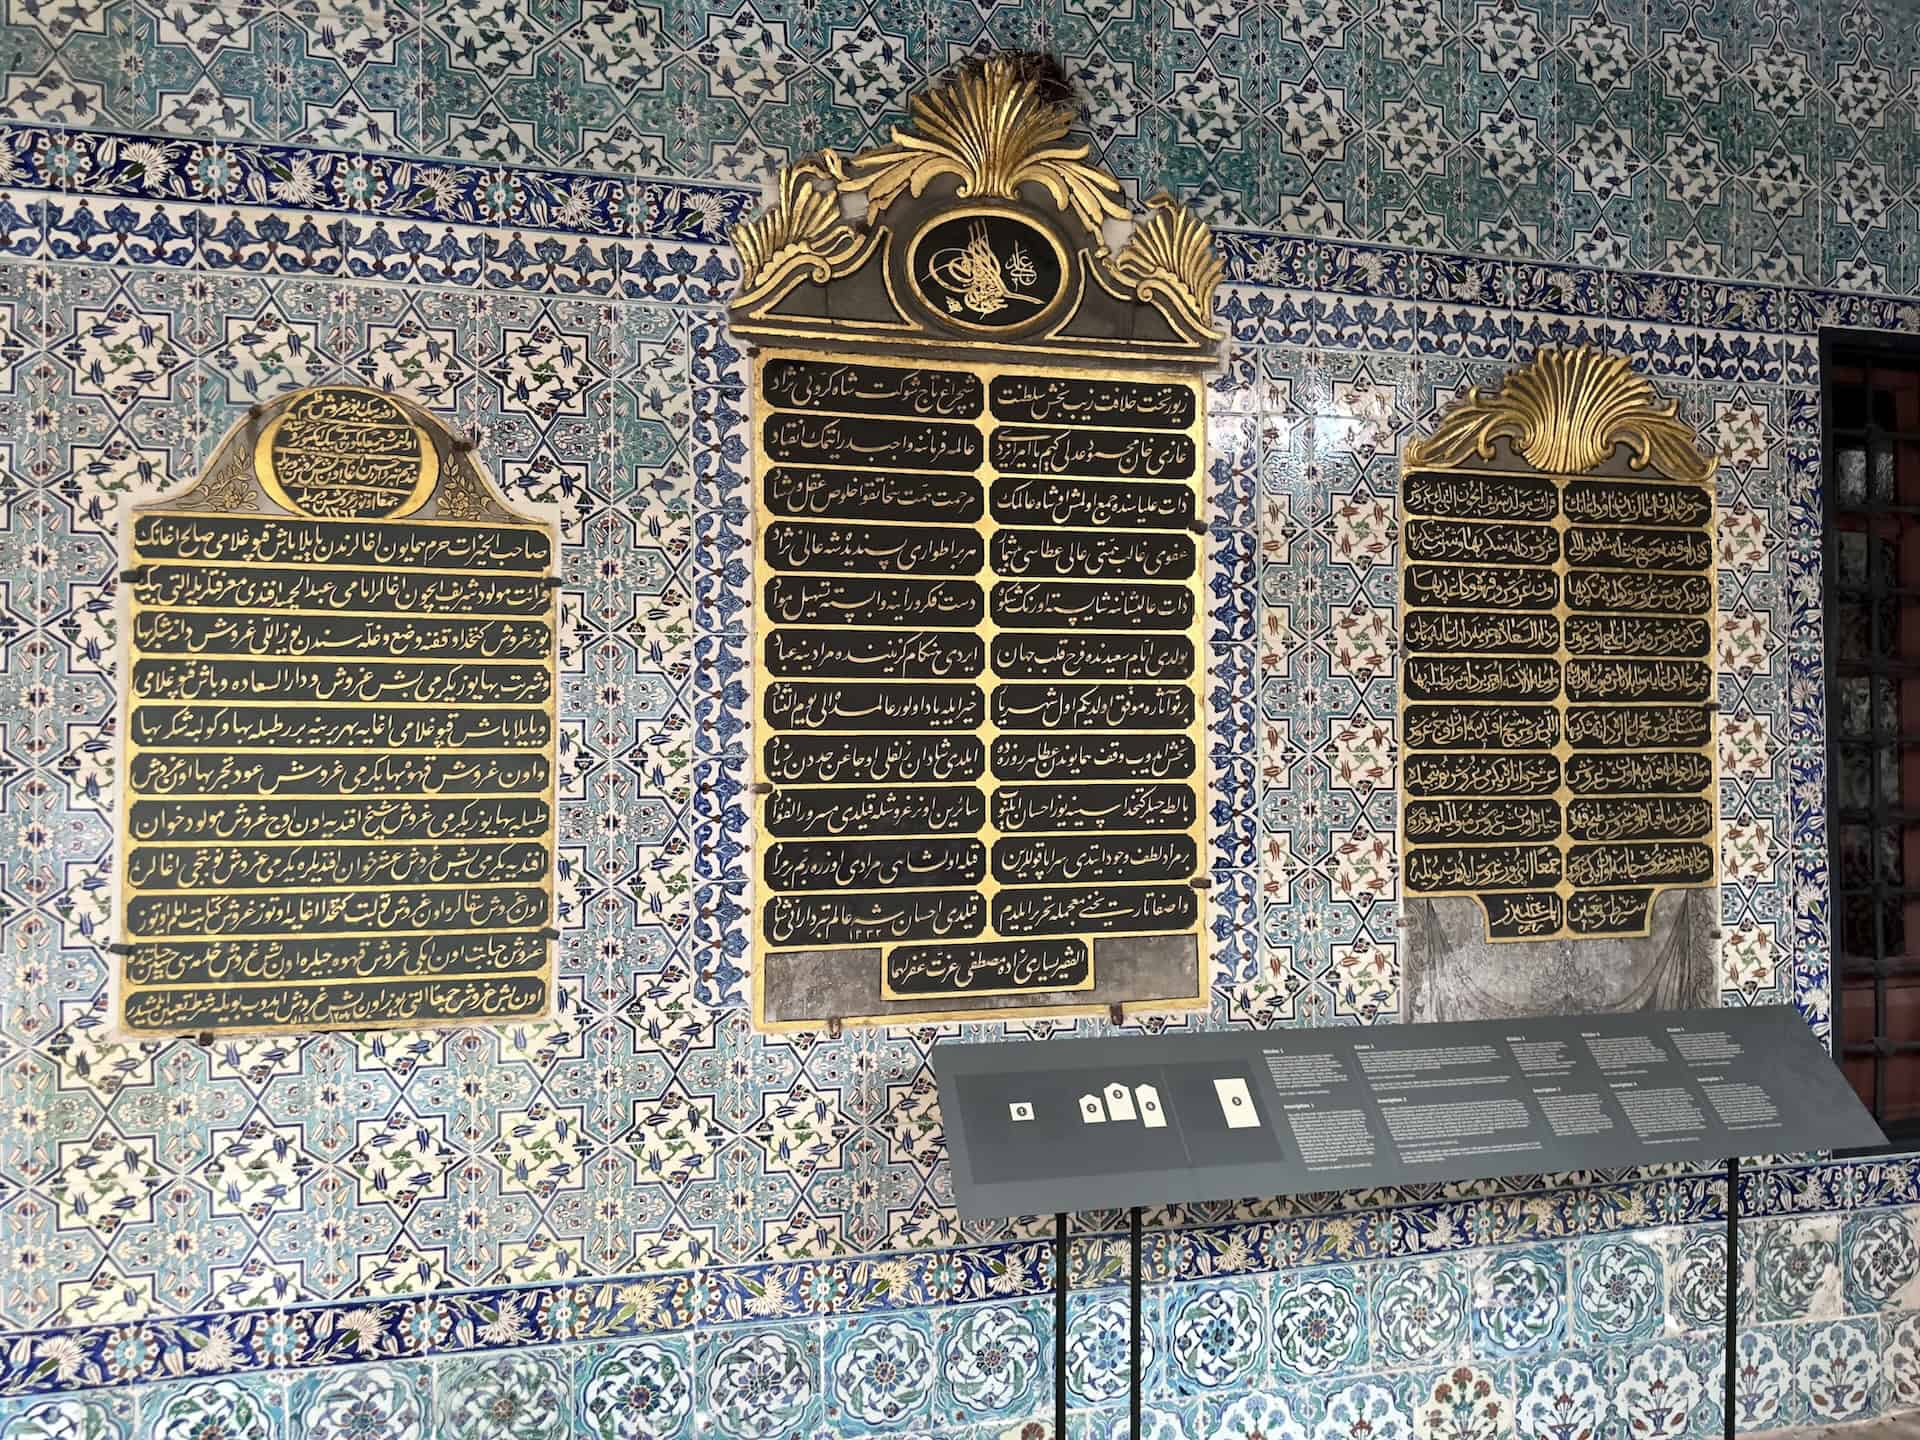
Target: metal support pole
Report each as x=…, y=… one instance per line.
x=1733, y=1292
x=1062, y=1260
x=1133, y=1349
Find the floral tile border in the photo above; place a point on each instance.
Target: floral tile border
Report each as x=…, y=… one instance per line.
x=288, y=209
x=453, y=1322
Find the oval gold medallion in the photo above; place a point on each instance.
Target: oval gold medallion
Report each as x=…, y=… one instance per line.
x=988, y=269
x=343, y=453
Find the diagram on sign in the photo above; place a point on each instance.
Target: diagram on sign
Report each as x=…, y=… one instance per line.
x=1118, y=1103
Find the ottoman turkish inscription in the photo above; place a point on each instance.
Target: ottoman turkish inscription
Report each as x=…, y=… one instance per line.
x=979, y=445
x=1557, y=700
x=340, y=734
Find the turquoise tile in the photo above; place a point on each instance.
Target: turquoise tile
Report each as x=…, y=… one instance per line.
x=1879, y=1261
x=1841, y=1371
x=880, y=1374
x=1319, y=1321
x=1617, y=1286
x=1216, y=1336
x=241, y=1408
x=1557, y=1397
x=1419, y=1312
x=510, y=1395
x=1520, y=1301
x=78, y=1415
x=996, y=1361
x=394, y=1402
x=636, y=1390
x=761, y=1381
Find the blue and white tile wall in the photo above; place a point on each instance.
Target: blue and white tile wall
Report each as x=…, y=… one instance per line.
x=643, y=1220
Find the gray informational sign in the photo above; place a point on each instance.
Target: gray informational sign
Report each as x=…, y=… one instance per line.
x=1050, y=1126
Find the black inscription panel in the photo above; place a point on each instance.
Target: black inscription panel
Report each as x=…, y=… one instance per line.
x=1043, y=605
x=1557, y=696
x=881, y=654
x=994, y=967
x=1448, y=677
x=1094, y=757
x=1092, y=657
x=1465, y=632
x=1480, y=587
x=340, y=753
x=1124, y=557
x=1485, y=499
x=1099, y=706
x=873, y=864
x=1097, y=504
x=1025, y=809
x=1066, y=450
x=847, y=919
x=1069, y=400
x=855, y=389
x=1485, y=542
x=873, y=759
x=1626, y=502
x=1481, y=773
x=1643, y=635
x=813, y=492
x=889, y=444
x=976, y=808
x=1454, y=727
x=840, y=705
x=857, y=600
x=873, y=550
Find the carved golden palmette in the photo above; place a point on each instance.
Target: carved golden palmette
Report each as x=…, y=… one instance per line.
x=1171, y=257
x=461, y=496
x=995, y=131
x=229, y=488
x=1565, y=412
x=803, y=231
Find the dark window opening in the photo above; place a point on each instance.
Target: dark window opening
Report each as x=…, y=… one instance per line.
x=1872, y=611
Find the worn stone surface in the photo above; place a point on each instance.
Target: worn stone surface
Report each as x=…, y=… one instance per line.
x=1902, y=1426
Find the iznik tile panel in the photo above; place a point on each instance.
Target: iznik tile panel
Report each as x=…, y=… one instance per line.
x=474, y=206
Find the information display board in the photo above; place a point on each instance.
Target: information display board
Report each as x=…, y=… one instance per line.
x=981, y=747
x=340, y=735
x=1557, y=701
x=1049, y=1126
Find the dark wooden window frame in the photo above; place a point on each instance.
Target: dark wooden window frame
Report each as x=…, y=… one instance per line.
x=1877, y=350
